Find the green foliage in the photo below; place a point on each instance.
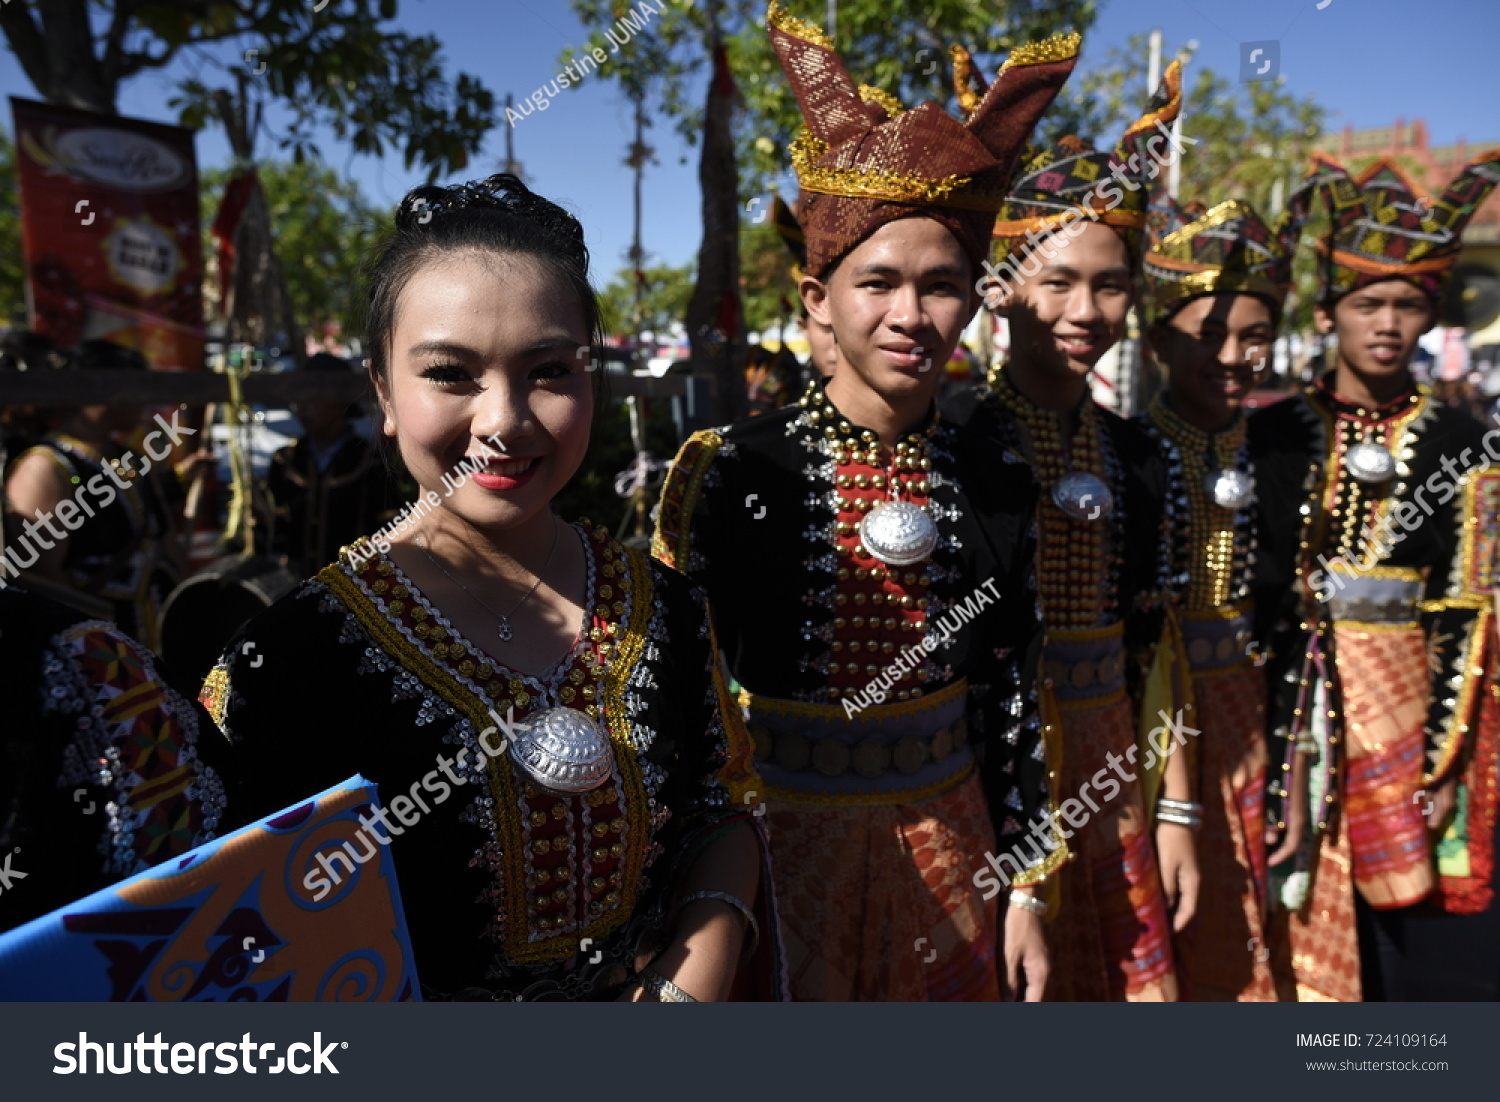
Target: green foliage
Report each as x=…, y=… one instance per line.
x=339, y=68
x=12, y=263
x=373, y=88
x=591, y=492
x=900, y=49
x=767, y=293
x=324, y=230
x=667, y=291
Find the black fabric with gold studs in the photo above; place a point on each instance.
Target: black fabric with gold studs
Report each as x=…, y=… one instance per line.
x=765, y=515
x=1312, y=513
x=501, y=879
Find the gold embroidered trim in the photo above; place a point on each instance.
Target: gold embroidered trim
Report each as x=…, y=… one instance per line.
x=1458, y=725
x=872, y=716
x=215, y=694
x=689, y=487
x=630, y=643
x=871, y=94
x=783, y=21
x=851, y=183
x=1060, y=47
x=1037, y=873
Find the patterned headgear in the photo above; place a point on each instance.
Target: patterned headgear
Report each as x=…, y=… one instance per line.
x=1072, y=180
x=1382, y=226
x=1190, y=252
x=864, y=160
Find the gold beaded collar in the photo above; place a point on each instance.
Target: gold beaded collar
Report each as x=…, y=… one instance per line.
x=1223, y=445
x=851, y=443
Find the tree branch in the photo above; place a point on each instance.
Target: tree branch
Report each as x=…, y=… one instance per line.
x=26, y=42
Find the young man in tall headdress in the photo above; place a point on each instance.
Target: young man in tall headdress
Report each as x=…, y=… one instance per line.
x=870, y=572
x=1372, y=583
x=1068, y=253
x=1215, y=284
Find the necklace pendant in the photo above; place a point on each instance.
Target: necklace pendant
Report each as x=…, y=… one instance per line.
x=502, y=629
x=1370, y=463
x=898, y=533
x=1229, y=488
x=1083, y=496
x=564, y=750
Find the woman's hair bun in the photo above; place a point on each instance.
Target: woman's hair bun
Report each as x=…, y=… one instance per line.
x=424, y=206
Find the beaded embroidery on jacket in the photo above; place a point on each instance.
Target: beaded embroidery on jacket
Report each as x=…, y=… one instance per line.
x=822, y=551
x=629, y=836
x=94, y=754
x=1213, y=547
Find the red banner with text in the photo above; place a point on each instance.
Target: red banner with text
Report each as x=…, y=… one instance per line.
x=109, y=222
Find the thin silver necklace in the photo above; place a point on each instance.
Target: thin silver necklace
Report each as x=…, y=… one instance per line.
x=502, y=628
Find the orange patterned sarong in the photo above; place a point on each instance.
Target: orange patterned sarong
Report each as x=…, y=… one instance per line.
x=1320, y=939
x=1386, y=687
x=878, y=903
x=1111, y=939
x=1225, y=954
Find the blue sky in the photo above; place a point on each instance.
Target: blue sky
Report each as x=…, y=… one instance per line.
x=1366, y=61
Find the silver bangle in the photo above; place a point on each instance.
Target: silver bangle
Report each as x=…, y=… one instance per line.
x=1187, y=807
x=751, y=926
x=1178, y=818
x=1029, y=903
x=664, y=989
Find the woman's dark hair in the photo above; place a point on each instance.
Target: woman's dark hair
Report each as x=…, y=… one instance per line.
x=499, y=214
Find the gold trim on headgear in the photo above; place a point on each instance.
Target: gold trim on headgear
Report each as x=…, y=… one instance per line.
x=1227, y=249
x=863, y=159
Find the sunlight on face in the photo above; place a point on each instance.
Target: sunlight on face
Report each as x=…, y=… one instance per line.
x=485, y=349
x=897, y=305
x=1068, y=304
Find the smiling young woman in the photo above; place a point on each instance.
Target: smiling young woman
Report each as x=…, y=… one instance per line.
x=613, y=850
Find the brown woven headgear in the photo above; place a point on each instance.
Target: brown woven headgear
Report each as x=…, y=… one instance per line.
x=863, y=160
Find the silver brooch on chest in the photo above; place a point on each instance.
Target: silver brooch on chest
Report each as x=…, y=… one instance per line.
x=1083, y=496
x=1370, y=462
x=563, y=749
x=1229, y=488
x=898, y=533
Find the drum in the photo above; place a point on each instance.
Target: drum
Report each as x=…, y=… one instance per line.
x=204, y=613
